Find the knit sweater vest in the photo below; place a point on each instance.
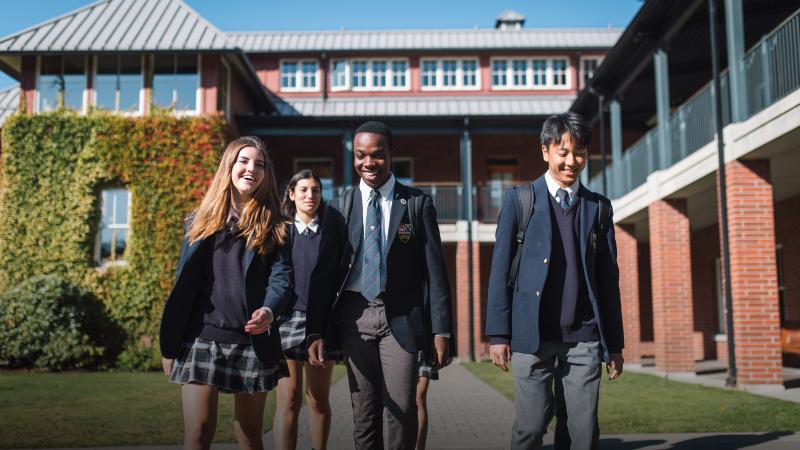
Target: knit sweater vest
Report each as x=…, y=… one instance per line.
x=305, y=251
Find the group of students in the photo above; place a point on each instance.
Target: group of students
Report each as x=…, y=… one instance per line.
x=267, y=290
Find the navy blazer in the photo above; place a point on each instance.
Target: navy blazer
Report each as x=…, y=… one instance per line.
x=268, y=282
x=417, y=295
x=515, y=313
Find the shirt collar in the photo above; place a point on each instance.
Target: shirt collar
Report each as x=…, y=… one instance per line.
x=301, y=226
x=385, y=190
x=553, y=187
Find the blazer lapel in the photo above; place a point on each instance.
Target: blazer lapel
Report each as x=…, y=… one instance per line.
x=588, y=213
x=541, y=211
x=399, y=206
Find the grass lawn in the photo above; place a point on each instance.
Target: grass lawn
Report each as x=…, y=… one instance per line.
x=637, y=403
x=82, y=409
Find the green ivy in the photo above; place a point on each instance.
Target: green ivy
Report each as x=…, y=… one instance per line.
x=53, y=168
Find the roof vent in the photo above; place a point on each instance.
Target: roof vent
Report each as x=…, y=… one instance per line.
x=509, y=20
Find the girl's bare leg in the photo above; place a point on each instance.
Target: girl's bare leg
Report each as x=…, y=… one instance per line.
x=248, y=418
x=199, y=403
x=287, y=408
x=319, y=407
x=422, y=411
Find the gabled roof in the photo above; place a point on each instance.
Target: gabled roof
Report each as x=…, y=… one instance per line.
x=439, y=106
x=121, y=25
x=9, y=102
x=426, y=40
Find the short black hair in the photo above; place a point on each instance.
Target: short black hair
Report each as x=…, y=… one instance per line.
x=375, y=127
x=569, y=122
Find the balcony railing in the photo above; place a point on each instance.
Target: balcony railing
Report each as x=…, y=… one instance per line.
x=772, y=71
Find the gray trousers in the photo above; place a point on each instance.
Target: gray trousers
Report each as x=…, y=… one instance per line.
x=381, y=374
x=573, y=371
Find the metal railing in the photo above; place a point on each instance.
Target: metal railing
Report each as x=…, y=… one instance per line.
x=447, y=198
x=772, y=71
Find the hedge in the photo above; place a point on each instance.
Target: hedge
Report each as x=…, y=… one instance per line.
x=54, y=166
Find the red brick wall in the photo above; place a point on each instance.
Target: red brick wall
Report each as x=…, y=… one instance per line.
x=705, y=251
x=285, y=149
x=209, y=75
x=751, y=223
x=436, y=158
x=523, y=148
x=628, y=261
x=787, y=224
x=670, y=257
x=462, y=300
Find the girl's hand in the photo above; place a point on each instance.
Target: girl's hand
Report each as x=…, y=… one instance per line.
x=259, y=322
x=167, y=363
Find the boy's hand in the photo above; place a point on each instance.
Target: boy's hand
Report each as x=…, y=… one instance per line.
x=614, y=367
x=442, y=354
x=501, y=355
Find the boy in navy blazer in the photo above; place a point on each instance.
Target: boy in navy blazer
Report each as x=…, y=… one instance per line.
x=562, y=317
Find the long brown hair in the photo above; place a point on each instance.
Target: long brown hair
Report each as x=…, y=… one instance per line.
x=260, y=218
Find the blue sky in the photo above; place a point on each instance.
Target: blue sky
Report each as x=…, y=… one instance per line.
x=262, y=15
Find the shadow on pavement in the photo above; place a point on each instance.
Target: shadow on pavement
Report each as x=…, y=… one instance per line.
x=619, y=444
x=727, y=441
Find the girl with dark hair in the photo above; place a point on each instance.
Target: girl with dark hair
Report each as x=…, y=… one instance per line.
x=234, y=274
x=303, y=202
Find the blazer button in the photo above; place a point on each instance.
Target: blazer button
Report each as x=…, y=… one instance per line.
x=538, y=294
x=546, y=260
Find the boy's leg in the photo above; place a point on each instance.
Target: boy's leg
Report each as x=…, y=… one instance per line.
x=533, y=391
x=578, y=380
x=399, y=369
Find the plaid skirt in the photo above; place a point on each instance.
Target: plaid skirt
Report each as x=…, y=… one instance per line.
x=426, y=369
x=231, y=368
x=292, y=328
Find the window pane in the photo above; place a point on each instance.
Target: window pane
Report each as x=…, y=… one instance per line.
x=470, y=70
x=120, y=206
x=359, y=74
x=589, y=67
x=289, y=75
x=520, y=72
x=310, y=74
x=106, y=237
x=106, y=83
x=539, y=72
x=379, y=74
x=449, y=73
x=74, y=81
x=163, y=80
x=499, y=77
x=399, y=74
x=559, y=72
x=339, y=74
x=429, y=73
x=186, y=82
x=130, y=82
x=120, y=242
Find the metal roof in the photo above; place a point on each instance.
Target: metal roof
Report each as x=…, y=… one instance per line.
x=425, y=40
x=121, y=25
x=509, y=15
x=9, y=102
x=439, y=106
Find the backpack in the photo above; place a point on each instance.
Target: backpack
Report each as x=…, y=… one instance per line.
x=523, y=210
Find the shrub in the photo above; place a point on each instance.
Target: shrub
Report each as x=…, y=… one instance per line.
x=47, y=322
x=139, y=357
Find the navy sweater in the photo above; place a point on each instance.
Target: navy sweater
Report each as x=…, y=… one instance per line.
x=305, y=251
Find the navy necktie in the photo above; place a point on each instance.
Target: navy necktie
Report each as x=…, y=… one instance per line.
x=371, y=264
x=563, y=198
x=307, y=232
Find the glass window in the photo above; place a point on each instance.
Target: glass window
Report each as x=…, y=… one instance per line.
x=559, y=72
x=379, y=74
x=429, y=73
x=114, y=227
x=339, y=74
x=589, y=67
x=399, y=69
x=470, y=73
x=520, y=69
x=359, y=74
x=163, y=80
x=62, y=80
x=222, y=88
x=118, y=82
x=449, y=73
x=310, y=69
x=323, y=168
x=499, y=76
x=288, y=75
x=539, y=72
x=175, y=82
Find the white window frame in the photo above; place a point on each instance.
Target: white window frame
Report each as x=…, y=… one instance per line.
x=198, y=92
x=346, y=86
x=84, y=95
x=439, y=75
x=119, y=261
x=298, y=74
x=529, y=86
x=369, y=87
x=138, y=112
x=582, y=70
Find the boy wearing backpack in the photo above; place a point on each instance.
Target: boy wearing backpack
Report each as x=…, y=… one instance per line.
x=554, y=307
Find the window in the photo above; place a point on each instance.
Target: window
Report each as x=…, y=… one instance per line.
x=469, y=70
x=175, y=82
x=429, y=73
x=310, y=74
x=539, y=72
x=499, y=76
x=559, y=72
x=520, y=70
x=449, y=73
x=323, y=168
x=62, y=81
x=223, y=84
x=114, y=227
x=118, y=82
x=399, y=69
x=339, y=78
x=359, y=74
x=588, y=67
x=378, y=74
x=403, y=169
x=299, y=76
x=288, y=75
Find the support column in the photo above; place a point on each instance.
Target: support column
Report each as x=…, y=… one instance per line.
x=617, y=186
x=465, y=303
x=27, y=92
x=754, y=274
x=472, y=251
x=734, y=32
x=670, y=259
x=347, y=158
x=628, y=260
x=661, y=160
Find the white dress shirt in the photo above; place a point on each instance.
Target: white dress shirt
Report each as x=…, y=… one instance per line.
x=387, y=196
x=301, y=226
x=553, y=187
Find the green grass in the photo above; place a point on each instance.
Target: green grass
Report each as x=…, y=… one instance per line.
x=82, y=409
x=637, y=403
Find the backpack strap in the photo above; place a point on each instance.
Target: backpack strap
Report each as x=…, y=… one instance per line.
x=524, y=210
x=346, y=205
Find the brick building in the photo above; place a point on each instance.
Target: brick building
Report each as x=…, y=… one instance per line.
x=467, y=106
